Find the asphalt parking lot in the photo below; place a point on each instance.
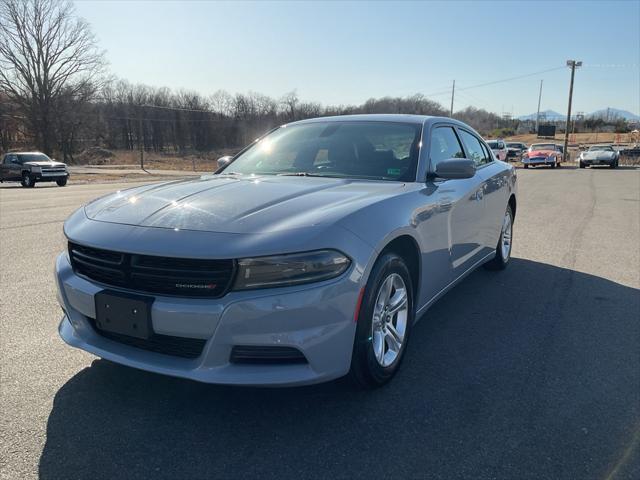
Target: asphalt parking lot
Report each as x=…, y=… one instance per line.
x=530, y=373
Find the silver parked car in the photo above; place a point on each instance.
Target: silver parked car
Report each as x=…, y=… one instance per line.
x=307, y=257
x=600, y=155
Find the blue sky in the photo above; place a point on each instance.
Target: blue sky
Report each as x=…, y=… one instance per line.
x=344, y=53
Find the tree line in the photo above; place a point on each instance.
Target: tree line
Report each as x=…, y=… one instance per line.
x=56, y=95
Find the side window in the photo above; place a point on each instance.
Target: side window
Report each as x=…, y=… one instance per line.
x=444, y=145
x=475, y=150
x=487, y=153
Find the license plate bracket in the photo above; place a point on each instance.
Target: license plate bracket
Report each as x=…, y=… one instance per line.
x=124, y=314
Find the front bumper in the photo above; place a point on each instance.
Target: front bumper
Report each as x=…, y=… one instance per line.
x=538, y=161
x=50, y=176
x=316, y=319
x=608, y=161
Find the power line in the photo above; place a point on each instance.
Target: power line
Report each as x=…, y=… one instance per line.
x=493, y=82
x=512, y=78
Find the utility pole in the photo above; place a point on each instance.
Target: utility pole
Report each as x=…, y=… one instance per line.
x=453, y=91
x=573, y=64
x=140, y=141
x=538, y=114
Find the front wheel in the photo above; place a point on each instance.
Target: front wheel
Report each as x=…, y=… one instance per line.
x=613, y=165
x=526, y=165
x=503, y=250
x=27, y=180
x=62, y=182
x=384, y=323
x=582, y=165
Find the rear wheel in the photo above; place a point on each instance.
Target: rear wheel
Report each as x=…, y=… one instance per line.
x=503, y=249
x=62, y=182
x=27, y=180
x=384, y=323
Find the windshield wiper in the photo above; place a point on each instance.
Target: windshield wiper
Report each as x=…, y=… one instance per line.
x=300, y=174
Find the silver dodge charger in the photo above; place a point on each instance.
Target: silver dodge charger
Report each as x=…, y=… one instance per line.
x=306, y=257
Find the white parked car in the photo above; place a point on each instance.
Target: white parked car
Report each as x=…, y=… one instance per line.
x=499, y=149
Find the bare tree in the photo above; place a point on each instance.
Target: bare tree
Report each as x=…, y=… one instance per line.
x=48, y=56
x=289, y=104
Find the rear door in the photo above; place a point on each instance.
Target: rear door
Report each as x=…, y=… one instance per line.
x=3, y=167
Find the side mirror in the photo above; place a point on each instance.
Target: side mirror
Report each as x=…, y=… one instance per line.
x=224, y=161
x=456, y=168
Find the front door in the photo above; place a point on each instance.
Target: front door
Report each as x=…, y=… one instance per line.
x=459, y=206
x=11, y=168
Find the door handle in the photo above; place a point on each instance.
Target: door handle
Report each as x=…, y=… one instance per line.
x=479, y=194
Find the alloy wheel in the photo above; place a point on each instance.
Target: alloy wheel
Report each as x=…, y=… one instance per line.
x=389, y=323
x=507, y=227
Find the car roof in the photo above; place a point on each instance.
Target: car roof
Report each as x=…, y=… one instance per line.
x=383, y=117
x=26, y=153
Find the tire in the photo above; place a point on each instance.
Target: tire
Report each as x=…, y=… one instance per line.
x=27, y=180
x=503, y=255
x=582, y=165
x=369, y=369
x=613, y=165
x=553, y=165
x=526, y=165
x=62, y=182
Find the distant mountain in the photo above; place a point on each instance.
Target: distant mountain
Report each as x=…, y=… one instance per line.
x=614, y=113
x=610, y=113
x=549, y=114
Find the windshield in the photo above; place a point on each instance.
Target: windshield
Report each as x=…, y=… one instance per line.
x=369, y=150
x=542, y=146
x=602, y=148
x=33, y=157
x=514, y=145
x=493, y=145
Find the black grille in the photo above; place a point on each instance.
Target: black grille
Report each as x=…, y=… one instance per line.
x=183, y=277
x=266, y=355
x=166, y=344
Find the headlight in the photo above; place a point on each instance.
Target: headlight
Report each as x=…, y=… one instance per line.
x=287, y=270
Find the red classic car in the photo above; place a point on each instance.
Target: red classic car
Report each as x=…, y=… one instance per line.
x=543, y=154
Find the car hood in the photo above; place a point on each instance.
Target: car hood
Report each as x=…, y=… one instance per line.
x=45, y=164
x=247, y=204
x=541, y=153
x=597, y=155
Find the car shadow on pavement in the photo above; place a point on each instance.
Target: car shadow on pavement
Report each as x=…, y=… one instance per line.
x=528, y=373
x=7, y=186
